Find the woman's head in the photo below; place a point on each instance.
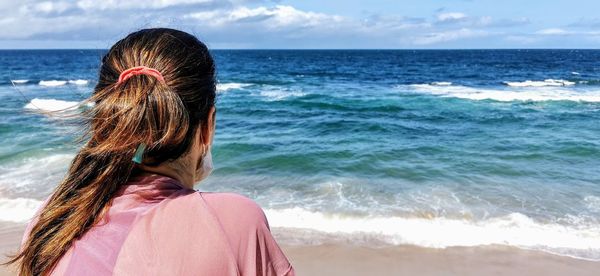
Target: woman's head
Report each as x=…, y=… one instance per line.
x=174, y=117
x=164, y=115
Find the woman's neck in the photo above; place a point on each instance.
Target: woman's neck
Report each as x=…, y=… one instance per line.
x=180, y=170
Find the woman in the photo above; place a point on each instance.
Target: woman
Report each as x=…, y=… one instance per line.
x=126, y=205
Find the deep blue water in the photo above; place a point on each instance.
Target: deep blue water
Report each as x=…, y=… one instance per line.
x=482, y=139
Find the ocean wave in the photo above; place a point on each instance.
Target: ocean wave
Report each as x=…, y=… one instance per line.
x=19, y=81
x=277, y=94
x=37, y=104
x=222, y=87
x=78, y=82
x=547, y=82
x=33, y=175
x=521, y=94
x=513, y=230
x=18, y=209
x=52, y=82
x=441, y=83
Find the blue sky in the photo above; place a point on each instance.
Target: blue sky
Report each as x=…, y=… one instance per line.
x=423, y=24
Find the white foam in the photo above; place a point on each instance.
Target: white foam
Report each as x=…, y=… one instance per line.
x=18, y=209
x=276, y=94
x=441, y=83
x=575, y=73
x=548, y=82
x=19, y=81
x=517, y=94
x=593, y=203
x=24, y=180
x=78, y=82
x=51, y=105
x=513, y=230
x=52, y=82
x=35, y=174
x=222, y=87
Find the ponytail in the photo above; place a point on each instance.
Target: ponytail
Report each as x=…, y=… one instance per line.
x=163, y=114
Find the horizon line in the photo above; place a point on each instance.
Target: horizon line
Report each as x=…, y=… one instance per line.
x=318, y=49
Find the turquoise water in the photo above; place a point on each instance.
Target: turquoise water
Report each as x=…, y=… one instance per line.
x=432, y=148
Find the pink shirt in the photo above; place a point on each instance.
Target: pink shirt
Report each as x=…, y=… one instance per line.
x=156, y=226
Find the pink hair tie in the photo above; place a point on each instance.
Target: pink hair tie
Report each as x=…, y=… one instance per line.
x=140, y=70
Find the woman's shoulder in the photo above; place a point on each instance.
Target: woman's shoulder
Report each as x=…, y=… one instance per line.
x=234, y=208
x=228, y=221
x=248, y=233
x=233, y=199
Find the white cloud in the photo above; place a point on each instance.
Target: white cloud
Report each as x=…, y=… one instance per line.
x=486, y=20
x=451, y=16
x=51, y=7
x=552, y=31
x=522, y=39
x=39, y=9
x=245, y=23
x=124, y=4
x=277, y=17
x=437, y=37
x=459, y=19
x=205, y=16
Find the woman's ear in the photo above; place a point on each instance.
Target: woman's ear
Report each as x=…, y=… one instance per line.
x=208, y=132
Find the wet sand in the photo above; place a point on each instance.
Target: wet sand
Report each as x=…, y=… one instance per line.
x=10, y=238
x=409, y=260
x=339, y=259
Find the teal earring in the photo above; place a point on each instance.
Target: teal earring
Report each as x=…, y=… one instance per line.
x=139, y=153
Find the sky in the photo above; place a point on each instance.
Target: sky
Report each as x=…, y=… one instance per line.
x=308, y=24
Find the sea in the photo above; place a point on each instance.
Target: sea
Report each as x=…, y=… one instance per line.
x=429, y=148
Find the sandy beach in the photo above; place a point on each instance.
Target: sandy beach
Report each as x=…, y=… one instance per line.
x=337, y=259
x=408, y=260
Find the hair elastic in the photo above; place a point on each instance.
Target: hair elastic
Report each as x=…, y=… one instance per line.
x=139, y=153
x=140, y=70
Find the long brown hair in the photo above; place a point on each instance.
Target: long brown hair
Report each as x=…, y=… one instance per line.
x=163, y=115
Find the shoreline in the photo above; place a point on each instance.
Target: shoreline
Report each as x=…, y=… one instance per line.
x=344, y=259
